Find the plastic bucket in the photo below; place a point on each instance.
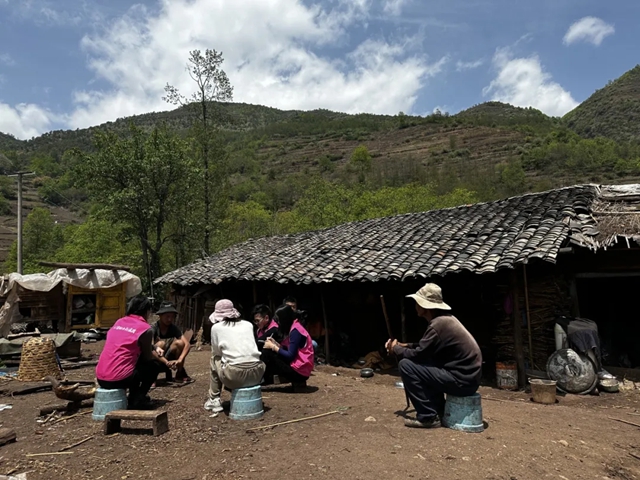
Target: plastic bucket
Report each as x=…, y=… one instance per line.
x=246, y=403
x=105, y=401
x=463, y=413
x=543, y=391
x=507, y=375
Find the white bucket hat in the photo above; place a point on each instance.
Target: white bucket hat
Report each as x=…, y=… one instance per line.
x=430, y=297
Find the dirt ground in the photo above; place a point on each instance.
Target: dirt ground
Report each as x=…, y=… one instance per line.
x=574, y=439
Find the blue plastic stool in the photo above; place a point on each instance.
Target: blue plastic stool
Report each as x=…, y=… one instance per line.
x=463, y=413
x=106, y=401
x=246, y=403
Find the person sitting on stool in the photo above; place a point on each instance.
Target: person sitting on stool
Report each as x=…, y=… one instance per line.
x=235, y=358
x=127, y=359
x=170, y=343
x=293, y=359
x=446, y=360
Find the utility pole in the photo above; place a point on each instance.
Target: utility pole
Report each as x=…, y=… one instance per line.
x=20, y=175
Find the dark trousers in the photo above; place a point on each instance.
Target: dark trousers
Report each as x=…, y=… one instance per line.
x=139, y=383
x=276, y=365
x=426, y=385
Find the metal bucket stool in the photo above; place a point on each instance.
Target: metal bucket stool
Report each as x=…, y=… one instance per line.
x=106, y=401
x=246, y=403
x=463, y=413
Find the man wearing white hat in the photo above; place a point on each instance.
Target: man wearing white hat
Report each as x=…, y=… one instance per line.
x=446, y=360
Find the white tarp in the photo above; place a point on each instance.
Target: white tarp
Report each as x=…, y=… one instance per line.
x=41, y=282
x=83, y=278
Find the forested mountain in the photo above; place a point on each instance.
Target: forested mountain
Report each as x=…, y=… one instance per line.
x=612, y=111
x=286, y=171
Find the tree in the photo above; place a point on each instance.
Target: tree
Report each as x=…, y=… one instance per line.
x=140, y=181
x=99, y=241
x=42, y=237
x=361, y=162
x=212, y=85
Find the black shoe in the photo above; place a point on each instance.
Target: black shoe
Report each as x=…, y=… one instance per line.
x=431, y=423
x=143, y=403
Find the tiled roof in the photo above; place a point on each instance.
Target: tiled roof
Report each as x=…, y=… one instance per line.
x=480, y=238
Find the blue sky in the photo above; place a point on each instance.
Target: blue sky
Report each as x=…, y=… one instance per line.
x=75, y=63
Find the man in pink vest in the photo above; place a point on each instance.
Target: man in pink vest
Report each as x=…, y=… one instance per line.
x=128, y=359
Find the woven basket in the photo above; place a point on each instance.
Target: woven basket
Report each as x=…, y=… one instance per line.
x=38, y=360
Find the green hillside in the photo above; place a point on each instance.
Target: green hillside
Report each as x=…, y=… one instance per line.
x=286, y=171
x=612, y=111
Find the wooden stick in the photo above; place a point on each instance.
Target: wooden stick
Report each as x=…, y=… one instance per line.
x=87, y=266
x=48, y=453
x=386, y=317
x=63, y=419
x=69, y=447
x=637, y=457
x=624, y=421
x=503, y=401
x=327, y=351
x=636, y=414
x=403, y=322
x=293, y=421
x=65, y=407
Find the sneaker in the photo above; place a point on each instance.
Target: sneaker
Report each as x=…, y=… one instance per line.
x=431, y=423
x=213, y=405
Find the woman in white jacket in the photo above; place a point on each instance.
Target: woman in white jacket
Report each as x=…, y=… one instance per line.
x=235, y=358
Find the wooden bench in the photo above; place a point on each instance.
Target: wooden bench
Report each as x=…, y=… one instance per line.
x=160, y=420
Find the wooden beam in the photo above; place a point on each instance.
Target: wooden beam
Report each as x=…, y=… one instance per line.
x=517, y=329
x=403, y=320
x=7, y=436
x=87, y=266
x=526, y=304
x=326, y=328
x=573, y=292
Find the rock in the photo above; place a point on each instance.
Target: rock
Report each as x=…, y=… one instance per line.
x=563, y=442
x=370, y=419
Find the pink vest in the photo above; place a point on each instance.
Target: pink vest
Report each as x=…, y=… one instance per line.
x=262, y=332
x=121, y=350
x=303, y=363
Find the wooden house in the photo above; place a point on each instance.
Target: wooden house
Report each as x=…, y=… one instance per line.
x=508, y=268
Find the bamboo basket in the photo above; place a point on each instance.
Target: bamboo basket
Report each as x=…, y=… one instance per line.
x=38, y=360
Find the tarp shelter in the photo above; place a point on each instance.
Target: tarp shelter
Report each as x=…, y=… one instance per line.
x=82, y=297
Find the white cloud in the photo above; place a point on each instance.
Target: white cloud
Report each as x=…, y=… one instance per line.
x=589, y=30
x=7, y=60
x=272, y=57
x=394, y=7
x=523, y=82
x=56, y=13
x=24, y=120
x=464, y=66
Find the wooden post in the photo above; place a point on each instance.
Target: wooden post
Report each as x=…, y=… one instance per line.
x=526, y=304
x=403, y=321
x=573, y=291
x=517, y=329
x=326, y=327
